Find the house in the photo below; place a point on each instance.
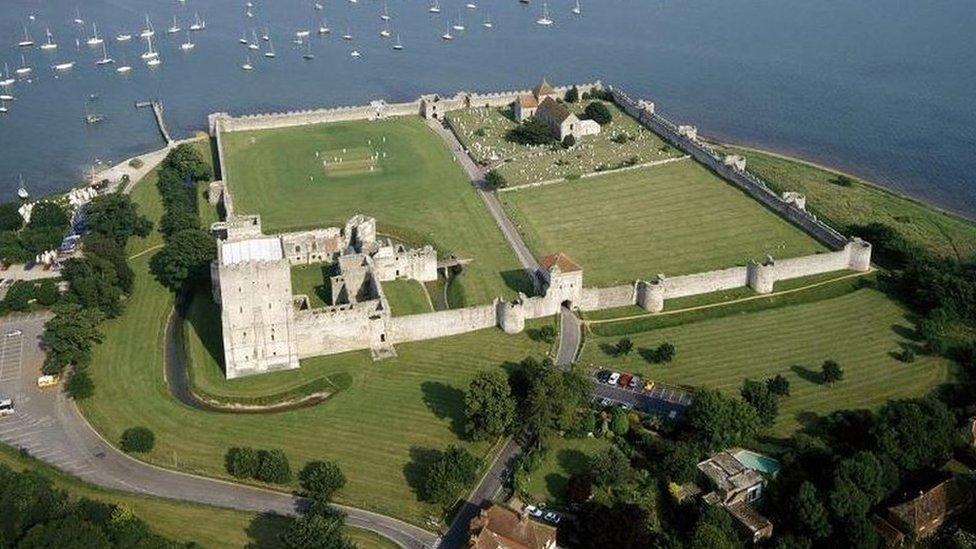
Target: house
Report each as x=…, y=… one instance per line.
x=526, y=105
x=922, y=515
x=542, y=103
x=499, y=527
x=737, y=482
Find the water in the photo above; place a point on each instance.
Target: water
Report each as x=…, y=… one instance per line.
x=882, y=88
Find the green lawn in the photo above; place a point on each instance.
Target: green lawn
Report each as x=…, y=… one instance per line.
x=407, y=297
x=862, y=203
x=673, y=219
x=313, y=281
x=181, y=521
x=564, y=458
x=483, y=130
x=859, y=330
x=417, y=192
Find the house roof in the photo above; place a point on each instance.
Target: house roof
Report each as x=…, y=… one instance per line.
x=499, y=527
x=749, y=517
x=554, y=110
x=543, y=89
x=256, y=249
x=934, y=504
x=528, y=101
x=561, y=261
x=729, y=474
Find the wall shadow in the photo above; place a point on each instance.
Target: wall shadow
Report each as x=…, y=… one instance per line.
x=447, y=402
x=518, y=280
x=203, y=315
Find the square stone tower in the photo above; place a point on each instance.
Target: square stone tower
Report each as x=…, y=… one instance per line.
x=254, y=287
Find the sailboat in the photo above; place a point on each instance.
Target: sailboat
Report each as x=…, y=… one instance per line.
x=348, y=35
x=308, y=55
x=471, y=6
x=6, y=97
x=3, y=107
x=385, y=33
x=324, y=27
x=266, y=35
x=105, y=60
x=66, y=66
x=124, y=68
x=123, y=37
x=487, y=24
x=149, y=30
x=95, y=40
x=459, y=25
x=243, y=38
x=399, y=45
x=270, y=54
x=434, y=8
x=23, y=69
x=318, y=6
x=544, y=20
x=198, y=24
x=576, y=9
x=447, y=35
x=154, y=62
x=92, y=116
x=385, y=14
x=254, y=43
x=247, y=64
x=187, y=46
x=149, y=55
x=174, y=28
x=7, y=81
x=355, y=53
x=22, y=190
x=26, y=42
x=50, y=44
x=302, y=33
x=78, y=19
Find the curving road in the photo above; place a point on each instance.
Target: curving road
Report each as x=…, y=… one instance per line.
x=51, y=428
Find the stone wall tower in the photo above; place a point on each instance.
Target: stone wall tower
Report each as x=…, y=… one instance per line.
x=761, y=276
x=510, y=315
x=650, y=294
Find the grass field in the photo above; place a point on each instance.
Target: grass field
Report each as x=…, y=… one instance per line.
x=483, y=130
x=673, y=219
x=211, y=527
x=417, y=192
x=564, y=458
x=313, y=281
x=407, y=297
x=859, y=330
x=863, y=203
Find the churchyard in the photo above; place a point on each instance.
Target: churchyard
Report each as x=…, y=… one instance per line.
x=675, y=219
x=395, y=170
x=621, y=143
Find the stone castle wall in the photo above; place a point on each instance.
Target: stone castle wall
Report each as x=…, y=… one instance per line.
x=403, y=329
x=330, y=330
x=265, y=121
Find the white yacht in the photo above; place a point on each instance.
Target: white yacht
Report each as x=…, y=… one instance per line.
x=27, y=41
x=398, y=45
x=3, y=108
x=174, y=28
x=254, y=43
x=459, y=24
x=435, y=7
x=50, y=44
x=23, y=68
x=67, y=65
x=6, y=97
x=308, y=55
x=124, y=68
x=187, y=46
x=95, y=39
x=7, y=81
x=385, y=33
x=471, y=6
x=447, y=35
x=487, y=24
x=270, y=54
x=22, y=190
x=247, y=64
x=243, y=38
x=266, y=35
x=154, y=62
x=302, y=33
x=324, y=27
x=78, y=19
x=348, y=35
x=149, y=30
x=354, y=53
x=385, y=14
x=149, y=54
x=576, y=9
x=198, y=24
x=105, y=60
x=545, y=21
x=123, y=37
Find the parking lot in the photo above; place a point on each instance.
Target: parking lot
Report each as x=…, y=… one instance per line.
x=660, y=399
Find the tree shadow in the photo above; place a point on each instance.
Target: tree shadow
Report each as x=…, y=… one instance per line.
x=809, y=421
x=905, y=332
x=556, y=486
x=415, y=471
x=447, y=402
x=609, y=349
x=806, y=374
x=573, y=461
x=518, y=280
x=265, y=530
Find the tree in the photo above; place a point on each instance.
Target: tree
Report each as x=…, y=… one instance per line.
x=531, y=132
x=624, y=346
x=495, y=180
x=241, y=462
x=322, y=527
x=709, y=536
x=187, y=162
x=489, y=409
x=184, y=260
x=115, y=216
x=622, y=526
x=321, y=479
x=572, y=95
x=762, y=399
x=721, y=421
x=680, y=461
x=876, y=477
x=915, y=433
x=107, y=249
x=79, y=385
x=610, y=467
x=175, y=220
x=37, y=240
x=93, y=282
x=569, y=141
x=69, y=336
x=448, y=475
x=69, y=532
x=554, y=402
x=47, y=292
x=10, y=218
x=598, y=112
x=48, y=215
x=809, y=512
x=579, y=488
x=778, y=385
x=138, y=440
x=273, y=467
x=619, y=423
x=831, y=372
x=665, y=352
x=19, y=296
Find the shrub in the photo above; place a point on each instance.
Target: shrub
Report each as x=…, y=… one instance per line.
x=624, y=346
x=79, y=385
x=831, y=372
x=321, y=479
x=273, y=467
x=480, y=132
x=531, y=132
x=569, y=141
x=842, y=181
x=572, y=95
x=447, y=475
x=137, y=439
x=620, y=138
x=598, y=112
x=906, y=355
x=136, y=163
x=241, y=462
x=495, y=180
x=19, y=296
x=10, y=219
x=778, y=385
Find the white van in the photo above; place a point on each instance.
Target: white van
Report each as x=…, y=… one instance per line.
x=6, y=407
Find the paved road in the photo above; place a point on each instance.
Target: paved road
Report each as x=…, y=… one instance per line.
x=569, y=338
x=477, y=176
x=51, y=428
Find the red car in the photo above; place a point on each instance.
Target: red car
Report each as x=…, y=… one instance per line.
x=624, y=380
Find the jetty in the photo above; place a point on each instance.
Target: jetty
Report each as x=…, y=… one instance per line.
x=157, y=108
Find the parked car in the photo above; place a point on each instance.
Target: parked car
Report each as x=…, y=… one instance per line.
x=612, y=380
x=605, y=402
x=553, y=517
x=649, y=386
x=627, y=406
x=6, y=407
x=603, y=375
x=533, y=511
x=44, y=382
x=14, y=333
x=635, y=382
x=624, y=380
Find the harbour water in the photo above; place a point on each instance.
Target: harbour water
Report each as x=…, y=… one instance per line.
x=880, y=88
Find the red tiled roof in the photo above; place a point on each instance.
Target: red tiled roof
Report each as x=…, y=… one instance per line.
x=528, y=101
x=561, y=261
x=554, y=110
x=543, y=89
x=501, y=527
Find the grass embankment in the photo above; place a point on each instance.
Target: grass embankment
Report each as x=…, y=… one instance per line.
x=862, y=203
x=382, y=429
x=483, y=130
x=182, y=521
x=417, y=192
x=407, y=297
x=564, y=458
x=673, y=219
x=860, y=330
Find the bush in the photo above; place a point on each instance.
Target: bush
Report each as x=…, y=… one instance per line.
x=137, y=439
x=572, y=95
x=19, y=296
x=273, y=467
x=79, y=385
x=624, y=346
x=598, y=112
x=136, y=163
x=531, y=132
x=831, y=372
x=663, y=353
x=321, y=479
x=778, y=385
x=906, y=355
x=10, y=219
x=569, y=141
x=448, y=475
x=241, y=462
x=47, y=292
x=842, y=181
x=495, y=180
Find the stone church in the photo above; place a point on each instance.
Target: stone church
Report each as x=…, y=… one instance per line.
x=542, y=103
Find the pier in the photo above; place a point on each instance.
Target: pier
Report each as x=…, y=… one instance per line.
x=157, y=108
